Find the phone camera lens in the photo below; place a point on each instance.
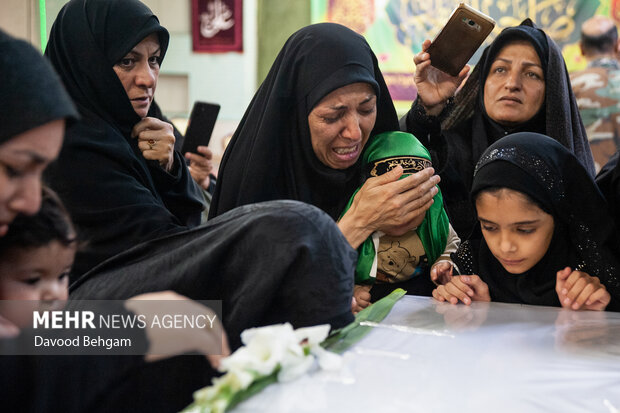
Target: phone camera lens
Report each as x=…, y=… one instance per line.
x=471, y=23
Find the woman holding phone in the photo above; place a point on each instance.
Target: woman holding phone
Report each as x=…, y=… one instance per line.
x=519, y=84
x=133, y=197
x=118, y=173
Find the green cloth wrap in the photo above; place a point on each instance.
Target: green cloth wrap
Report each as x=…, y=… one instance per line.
x=386, y=151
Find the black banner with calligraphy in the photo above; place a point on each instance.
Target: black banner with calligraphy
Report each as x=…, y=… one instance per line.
x=217, y=25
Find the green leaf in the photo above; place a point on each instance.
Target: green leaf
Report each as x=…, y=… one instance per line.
x=256, y=387
x=342, y=339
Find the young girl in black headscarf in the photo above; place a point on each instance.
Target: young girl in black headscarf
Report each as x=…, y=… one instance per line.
x=547, y=236
x=519, y=84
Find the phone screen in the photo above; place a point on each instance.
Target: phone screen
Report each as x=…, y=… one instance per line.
x=200, y=126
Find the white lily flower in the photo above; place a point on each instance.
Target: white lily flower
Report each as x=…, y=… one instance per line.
x=327, y=360
x=294, y=367
x=265, y=350
x=314, y=335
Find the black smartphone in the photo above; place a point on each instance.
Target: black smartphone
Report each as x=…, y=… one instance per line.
x=200, y=126
x=459, y=39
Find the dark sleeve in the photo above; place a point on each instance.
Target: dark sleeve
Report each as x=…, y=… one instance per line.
x=451, y=157
x=176, y=188
x=465, y=258
x=428, y=131
x=116, y=200
x=68, y=383
x=76, y=384
x=608, y=181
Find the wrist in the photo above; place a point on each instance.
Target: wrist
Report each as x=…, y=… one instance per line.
x=169, y=165
x=353, y=232
x=431, y=109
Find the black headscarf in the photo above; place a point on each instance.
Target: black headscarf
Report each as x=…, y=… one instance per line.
x=115, y=196
x=97, y=34
x=270, y=155
x=549, y=174
x=32, y=94
x=559, y=116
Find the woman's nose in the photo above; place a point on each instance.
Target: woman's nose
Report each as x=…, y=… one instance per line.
x=27, y=198
x=352, y=128
x=513, y=81
x=146, y=76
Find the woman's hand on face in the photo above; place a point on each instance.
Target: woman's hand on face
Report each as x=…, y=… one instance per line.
x=156, y=141
x=580, y=291
x=463, y=288
x=434, y=86
x=387, y=202
x=200, y=165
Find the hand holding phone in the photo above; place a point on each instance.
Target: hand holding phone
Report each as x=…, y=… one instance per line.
x=434, y=86
x=200, y=126
x=459, y=39
x=200, y=165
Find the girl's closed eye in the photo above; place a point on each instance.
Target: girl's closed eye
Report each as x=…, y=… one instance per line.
x=10, y=171
x=31, y=280
x=488, y=228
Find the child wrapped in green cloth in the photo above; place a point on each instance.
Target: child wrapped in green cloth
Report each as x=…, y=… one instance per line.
x=402, y=256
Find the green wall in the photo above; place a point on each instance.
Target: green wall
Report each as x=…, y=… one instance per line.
x=277, y=20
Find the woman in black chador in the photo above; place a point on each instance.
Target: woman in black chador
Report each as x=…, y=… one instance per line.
x=520, y=84
x=123, y=184
x=302, y=136
x=125, y=187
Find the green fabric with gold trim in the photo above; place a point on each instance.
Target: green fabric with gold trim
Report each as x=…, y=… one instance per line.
x=384, y=153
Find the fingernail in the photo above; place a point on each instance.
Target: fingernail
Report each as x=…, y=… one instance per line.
x=470, y=293
x=564, y=291
x=466, y=300
x=575, y=306
x=567, y=300
x=588, y=302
